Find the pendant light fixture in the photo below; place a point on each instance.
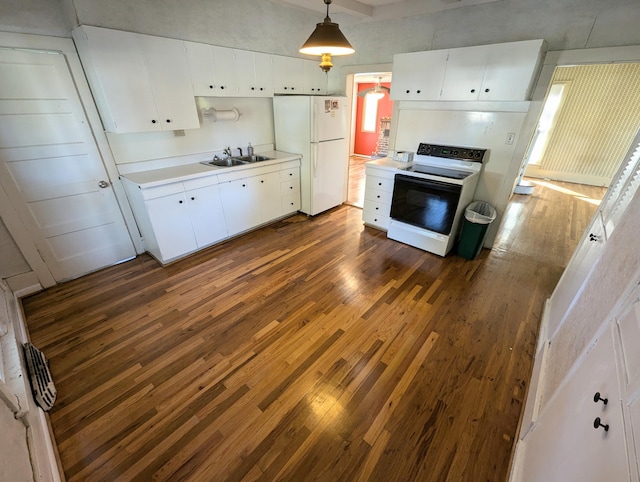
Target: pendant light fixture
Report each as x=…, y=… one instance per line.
x=327, y=40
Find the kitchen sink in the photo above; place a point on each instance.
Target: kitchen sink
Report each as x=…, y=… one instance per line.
x=254, y=158
x=225, y=162
x=235, y=161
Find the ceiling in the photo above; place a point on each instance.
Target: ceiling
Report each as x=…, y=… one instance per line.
x=352, y=12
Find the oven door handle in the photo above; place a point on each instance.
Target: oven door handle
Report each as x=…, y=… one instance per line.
x=442, y=186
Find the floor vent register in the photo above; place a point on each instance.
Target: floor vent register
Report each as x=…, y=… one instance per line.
x=44, y=392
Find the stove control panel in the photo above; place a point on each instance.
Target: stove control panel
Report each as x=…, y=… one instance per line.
x=451, y=152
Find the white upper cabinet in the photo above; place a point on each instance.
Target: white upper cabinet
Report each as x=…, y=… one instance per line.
x=254, y=73
x=418, y=75
x=224, y=72
x=314, y=79
x=140, y=83
x=288, y=75
x=500, y=72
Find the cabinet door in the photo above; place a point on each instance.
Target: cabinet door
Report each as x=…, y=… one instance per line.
x=225, y=83
x=564, y=445
x=119, y=79
x=207, y=218
x=574, y=276
x=268, y=195
x=464, y=73
x=509, y=71
x=241, y=211
x=253, y=74
x=167, y=67
x=171, y=225
x=288, y=75
x=315, y=80
x=418, y=75
x=200, y=68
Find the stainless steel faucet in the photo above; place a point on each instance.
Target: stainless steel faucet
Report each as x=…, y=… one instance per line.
x=240, y=150
x=227, y=151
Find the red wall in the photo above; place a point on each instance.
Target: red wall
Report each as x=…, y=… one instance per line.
x=365, y=142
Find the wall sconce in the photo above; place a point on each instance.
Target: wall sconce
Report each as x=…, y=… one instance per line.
x=327, y=40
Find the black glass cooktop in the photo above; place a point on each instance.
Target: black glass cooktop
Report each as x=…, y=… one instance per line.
x=438, y=171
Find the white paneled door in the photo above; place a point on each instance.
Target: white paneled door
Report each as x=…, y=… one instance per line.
x=51, y=169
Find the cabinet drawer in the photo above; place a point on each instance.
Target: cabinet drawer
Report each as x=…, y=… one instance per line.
x=380, y=183
x=163, y=190
x=375, y=219
x=376, y=195
x=288, y=174
x=289, y=187
x=290, y=203
x=377, y=207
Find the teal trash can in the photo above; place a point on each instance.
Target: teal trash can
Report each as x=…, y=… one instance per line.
x=477, y=218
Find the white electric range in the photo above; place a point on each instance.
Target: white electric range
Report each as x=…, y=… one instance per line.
x=430, y=195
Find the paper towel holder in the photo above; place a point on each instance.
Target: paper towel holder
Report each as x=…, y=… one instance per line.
x=215, y=115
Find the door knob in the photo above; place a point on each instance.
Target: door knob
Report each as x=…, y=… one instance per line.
x=594, y=237
x=597, y=398
x=597, y=423
x=103, y=184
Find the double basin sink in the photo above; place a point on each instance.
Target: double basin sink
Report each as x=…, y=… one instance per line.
x=235, y=161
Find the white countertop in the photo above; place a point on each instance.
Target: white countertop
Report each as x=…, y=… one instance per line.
x=388, y=163
x=157, y=177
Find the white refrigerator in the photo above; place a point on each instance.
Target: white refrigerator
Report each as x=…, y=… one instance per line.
x=315, y=127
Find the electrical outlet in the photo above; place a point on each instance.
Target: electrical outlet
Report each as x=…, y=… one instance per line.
x=511, y=136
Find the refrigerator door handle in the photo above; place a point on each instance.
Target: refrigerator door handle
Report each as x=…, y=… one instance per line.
x=315, y=158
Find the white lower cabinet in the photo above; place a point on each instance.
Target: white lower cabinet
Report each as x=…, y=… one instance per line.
x=377, y=197
x=239, y=199
x=178, y=218
x=578, y=437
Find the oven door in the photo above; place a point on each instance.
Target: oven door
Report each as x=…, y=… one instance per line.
x=425, y=203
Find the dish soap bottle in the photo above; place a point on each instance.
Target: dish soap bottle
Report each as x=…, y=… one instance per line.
x=250, y=150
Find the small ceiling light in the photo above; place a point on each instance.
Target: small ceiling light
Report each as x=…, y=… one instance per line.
x=327, y=40
x=377, y=91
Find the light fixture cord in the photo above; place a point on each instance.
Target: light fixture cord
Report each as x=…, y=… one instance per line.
x=327, y=18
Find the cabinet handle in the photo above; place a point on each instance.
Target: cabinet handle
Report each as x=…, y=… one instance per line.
x=286, y=88
x=222, y=87
x=261, y=88
x=379, y=184
x=193, y=198
x=594, y=237
x=180, y=202
x=244, y=185
x=378, y=196
x=253, y=88
x=292, y=204
x=290, y=187
x=377, y=208
x=153, y=121
x=597, y=398
x=417, y=91
x=407, y=92
x=597, y=423
x=486, y=90
x=261, y=182
x=291, y=174
x=211, y=86
x=103, y=184
x=473, y=91
x=168, y=121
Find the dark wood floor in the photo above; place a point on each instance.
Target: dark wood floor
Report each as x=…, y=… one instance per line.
x=312, y=349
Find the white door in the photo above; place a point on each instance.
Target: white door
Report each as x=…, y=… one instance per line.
x=51, y=168
x=329, y=119
x=328, y=166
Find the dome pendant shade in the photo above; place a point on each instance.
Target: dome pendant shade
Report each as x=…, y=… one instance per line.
x=327, y=39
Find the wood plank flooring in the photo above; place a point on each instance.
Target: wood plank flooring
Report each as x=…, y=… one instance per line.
x=312, y=349
x=355, y=195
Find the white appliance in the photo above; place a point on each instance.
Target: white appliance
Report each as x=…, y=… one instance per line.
x=315, y=127
x=429, y=196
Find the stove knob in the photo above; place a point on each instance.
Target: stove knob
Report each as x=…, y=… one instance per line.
x=456, y=152
x=477, y=155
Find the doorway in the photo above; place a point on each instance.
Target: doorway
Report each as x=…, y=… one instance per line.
x=589, y=118
x=372, y=109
